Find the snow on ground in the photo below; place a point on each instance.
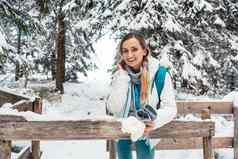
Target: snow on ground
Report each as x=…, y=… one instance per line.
x=74, y=149
x=87, y=100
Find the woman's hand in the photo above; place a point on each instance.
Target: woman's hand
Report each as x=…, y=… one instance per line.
x=149, y=126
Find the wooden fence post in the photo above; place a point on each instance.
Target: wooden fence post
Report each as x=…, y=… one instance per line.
x=37, y=108
x=112, y=149
x=5, y=149
x=235, y=139
x=207, y=141
x=111, y=144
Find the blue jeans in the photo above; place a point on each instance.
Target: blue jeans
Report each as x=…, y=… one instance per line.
x=143, y=150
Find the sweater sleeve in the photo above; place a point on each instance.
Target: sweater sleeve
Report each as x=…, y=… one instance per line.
x=168, y=109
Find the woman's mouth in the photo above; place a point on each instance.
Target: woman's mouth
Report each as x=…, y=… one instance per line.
x=131, y=60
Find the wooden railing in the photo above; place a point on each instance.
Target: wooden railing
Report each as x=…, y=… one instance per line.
x=197, y=107
x=175, y=135
x=9, y=97
x=216, y=107
x=17, y=128
x=21, y=103
x=20, y=129
x=181, y=142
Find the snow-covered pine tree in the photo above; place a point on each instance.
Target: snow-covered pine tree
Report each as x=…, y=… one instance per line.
x=192, y=37
x=3, y=45
x=232, y=13
x=78, y=26
x=17, y=25
x=85, y=28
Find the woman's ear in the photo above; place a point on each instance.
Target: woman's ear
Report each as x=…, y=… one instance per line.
x=146, y=51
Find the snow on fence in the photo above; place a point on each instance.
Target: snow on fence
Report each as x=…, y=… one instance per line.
x=21, y=103
x=12, y=97
x=175, y=135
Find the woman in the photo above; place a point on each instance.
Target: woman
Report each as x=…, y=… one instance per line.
x=132, y=91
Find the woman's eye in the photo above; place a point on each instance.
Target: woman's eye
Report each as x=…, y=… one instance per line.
x=124, y=51
x=134, y=49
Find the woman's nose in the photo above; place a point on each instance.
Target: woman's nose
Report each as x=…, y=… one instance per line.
x=130, y=54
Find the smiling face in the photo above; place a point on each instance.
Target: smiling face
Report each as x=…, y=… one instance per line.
x=133, y=53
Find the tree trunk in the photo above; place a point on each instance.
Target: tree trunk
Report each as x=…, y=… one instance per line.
x=17, y=70
x=60, y=51
x=53, y=64
x=18, y=66
x=5, y=149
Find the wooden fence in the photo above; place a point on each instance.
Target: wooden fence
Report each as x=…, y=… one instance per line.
x=17, y=128
x=215, y=107
x=21, y=103
x=198, y=134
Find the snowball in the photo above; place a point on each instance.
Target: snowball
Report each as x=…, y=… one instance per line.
x=134, y=127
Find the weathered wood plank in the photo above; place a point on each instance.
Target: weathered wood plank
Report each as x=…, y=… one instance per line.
x=37, y=105
x=191, y=143
x=35, y=150
x=23, y=106
x=11, y=118
x=235, y=143
x=112, y=148
x=215, y=107
x=5, y=149
x=111, y=145
x=9, y=97
x=207, y=141
x=86, y=129
x=222, y=142
x=3, y=100
x=37, y=108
